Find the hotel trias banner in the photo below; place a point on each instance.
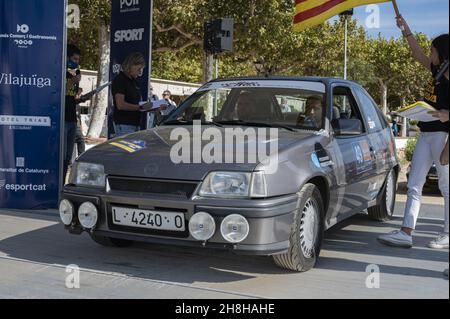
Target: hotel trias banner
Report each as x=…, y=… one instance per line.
x=32, y=40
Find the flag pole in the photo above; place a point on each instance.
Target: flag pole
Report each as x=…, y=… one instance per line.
x=397, y=11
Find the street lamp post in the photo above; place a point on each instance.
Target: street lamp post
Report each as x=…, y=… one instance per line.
x=345, y=47
x=346, y=14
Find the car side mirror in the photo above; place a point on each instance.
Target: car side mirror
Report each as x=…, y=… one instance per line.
x=344, y=127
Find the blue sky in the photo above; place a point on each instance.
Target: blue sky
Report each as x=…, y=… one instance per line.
x=427, y=16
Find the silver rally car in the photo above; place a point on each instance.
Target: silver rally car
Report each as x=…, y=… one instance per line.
x=254, y=165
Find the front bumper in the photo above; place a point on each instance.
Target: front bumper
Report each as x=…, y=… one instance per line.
x=270, y=220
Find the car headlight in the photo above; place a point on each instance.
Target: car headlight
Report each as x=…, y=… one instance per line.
x=88, y=215
x=235, y=228
x=66, y=211
x=234, y=184
x=202, y=226
x=86, y=174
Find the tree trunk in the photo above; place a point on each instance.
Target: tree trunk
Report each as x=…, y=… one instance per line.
x=384, y=94
x=208, y=76
x=101, y=99
x=208, y=67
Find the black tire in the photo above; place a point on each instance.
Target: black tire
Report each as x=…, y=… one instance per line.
x=111, y=242
x=299, y=257
x=385, y=210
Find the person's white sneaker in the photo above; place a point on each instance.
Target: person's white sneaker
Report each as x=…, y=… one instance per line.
x=440, y=242
x=397, y=238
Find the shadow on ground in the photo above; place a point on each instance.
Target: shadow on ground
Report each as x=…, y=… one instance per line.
x=354, y=237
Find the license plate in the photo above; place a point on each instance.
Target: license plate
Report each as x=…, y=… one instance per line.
x=148, y=219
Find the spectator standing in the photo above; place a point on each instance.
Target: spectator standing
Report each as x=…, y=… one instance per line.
x=73, y=78
x=128, y=104
x=430, y=144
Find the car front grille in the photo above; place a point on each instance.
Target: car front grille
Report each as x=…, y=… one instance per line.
x=182, y=189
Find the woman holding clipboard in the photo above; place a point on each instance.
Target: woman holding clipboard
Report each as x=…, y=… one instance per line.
x=431, y=143
x=128, y=105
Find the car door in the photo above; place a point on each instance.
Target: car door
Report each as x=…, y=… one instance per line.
x=358, y=170
x=379, y=138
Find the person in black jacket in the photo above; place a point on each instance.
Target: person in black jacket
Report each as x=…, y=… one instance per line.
x=73, y=78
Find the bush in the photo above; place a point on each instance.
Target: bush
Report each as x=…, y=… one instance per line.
x=410, y=147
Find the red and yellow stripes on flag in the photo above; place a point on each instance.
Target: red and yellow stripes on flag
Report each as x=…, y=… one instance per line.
x=309, y=13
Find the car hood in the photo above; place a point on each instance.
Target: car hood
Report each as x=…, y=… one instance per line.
x=149, y=155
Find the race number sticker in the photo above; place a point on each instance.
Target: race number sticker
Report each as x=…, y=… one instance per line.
x=363, y=156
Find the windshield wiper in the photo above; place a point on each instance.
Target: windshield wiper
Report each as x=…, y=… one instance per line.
x=177, y=122
x=264, y=124
x=182, y=122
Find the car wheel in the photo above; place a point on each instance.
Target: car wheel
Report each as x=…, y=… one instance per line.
x=385, y=210
x=111, y=242
x=306, y=233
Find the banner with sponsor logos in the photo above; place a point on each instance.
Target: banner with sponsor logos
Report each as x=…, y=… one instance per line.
x=32, y=41
x=131, y=31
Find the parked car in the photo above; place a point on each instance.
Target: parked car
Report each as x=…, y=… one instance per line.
x=334, y=154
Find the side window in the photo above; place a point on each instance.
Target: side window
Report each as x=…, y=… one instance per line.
x=345, y=106
x=369, y=109
x=383, y=118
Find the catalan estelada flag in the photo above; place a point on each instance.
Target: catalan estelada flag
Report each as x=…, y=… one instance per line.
x=309, y=13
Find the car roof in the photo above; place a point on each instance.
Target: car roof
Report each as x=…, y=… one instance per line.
x=325, y=80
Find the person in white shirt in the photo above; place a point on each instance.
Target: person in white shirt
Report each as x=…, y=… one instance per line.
x=285, y=108
x=154, y=119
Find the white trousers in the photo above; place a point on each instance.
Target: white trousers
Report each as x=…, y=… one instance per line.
x=428, y=150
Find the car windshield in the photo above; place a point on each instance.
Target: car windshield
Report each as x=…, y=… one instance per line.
x=294, y=107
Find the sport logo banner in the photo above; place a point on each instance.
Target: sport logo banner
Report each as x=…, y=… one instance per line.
x=131, y=27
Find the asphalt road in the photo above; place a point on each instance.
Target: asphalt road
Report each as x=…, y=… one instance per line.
x=35, y=250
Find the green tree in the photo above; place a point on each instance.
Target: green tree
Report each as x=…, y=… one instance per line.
x=398, y=77
x=263, y=34
x=95, y=15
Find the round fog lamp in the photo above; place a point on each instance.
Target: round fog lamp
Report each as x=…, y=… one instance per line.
x=235, y=228
x=202, y=226
x=66, y=210
x=87, y=215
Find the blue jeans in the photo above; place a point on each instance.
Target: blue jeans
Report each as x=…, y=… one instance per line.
x=122, y=129
x=70, y=131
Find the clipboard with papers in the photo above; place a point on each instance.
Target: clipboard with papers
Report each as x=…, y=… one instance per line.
x=156, y=104
x=418, y=112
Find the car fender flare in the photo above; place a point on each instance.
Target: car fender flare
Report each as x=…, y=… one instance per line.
x=323, y=183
